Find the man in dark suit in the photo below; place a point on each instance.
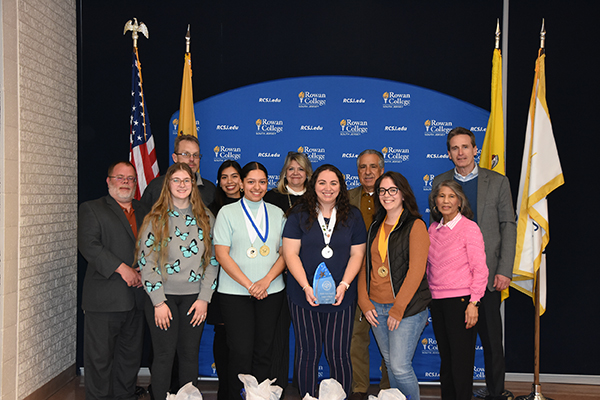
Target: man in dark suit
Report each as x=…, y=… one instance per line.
x=489, y=195
x=112, y=297
x=186, y=150
x=370, y=165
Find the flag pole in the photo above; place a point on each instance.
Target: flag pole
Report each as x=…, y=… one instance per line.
x=536, y=390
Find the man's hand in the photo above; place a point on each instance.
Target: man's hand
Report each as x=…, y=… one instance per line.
x=129, y=275
x=501, y=282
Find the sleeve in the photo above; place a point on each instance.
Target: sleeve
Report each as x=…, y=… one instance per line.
x=476, y=255
x=223, y=231
x=508, y=230
x=417, y=264
x=209, y=279
x=359, y=232
x=292, y=228
x=91, y=246
x=364, y=302
x=148, y=262
x=152, y=192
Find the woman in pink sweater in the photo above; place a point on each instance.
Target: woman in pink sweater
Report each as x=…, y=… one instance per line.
x=457, y=276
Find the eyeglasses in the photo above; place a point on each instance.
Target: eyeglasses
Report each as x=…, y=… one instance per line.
x=121, y=178
x=178, y=181
x=392, y=191
x=190, y=155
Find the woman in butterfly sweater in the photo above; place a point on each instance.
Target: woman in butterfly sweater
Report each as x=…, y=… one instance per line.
x=178, y=274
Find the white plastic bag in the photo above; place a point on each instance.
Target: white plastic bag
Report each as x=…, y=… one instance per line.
x=187, y=392
x=264, y=391
x=388, y=394
x=329, y=389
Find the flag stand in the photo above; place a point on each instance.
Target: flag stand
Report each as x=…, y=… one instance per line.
x=536, y=388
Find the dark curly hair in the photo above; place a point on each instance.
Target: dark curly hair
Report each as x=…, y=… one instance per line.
x=309, y=201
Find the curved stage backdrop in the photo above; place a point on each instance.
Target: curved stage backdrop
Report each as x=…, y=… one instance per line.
x=332, y=119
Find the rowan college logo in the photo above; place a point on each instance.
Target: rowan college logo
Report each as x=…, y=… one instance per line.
x=427, y=125
x=384, y=151
x=300, y=149
x=216, y=150
x=424, y=343
x=343, y=124
x=258, y=123
x=386, y=96
x=301, y=97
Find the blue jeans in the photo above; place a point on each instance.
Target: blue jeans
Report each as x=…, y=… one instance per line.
x=398, y=348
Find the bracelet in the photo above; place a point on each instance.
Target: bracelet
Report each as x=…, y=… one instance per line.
x=305, y=286
x=250, y=287
x=159, y=304
x=345, y=284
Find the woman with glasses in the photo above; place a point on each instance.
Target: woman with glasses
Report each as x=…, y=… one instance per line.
x=247, y=240
x=174, y=253
x=294, y=176
x=392, y=286
x=323, y=228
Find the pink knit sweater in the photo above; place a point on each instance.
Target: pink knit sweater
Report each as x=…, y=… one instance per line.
x=456, y=261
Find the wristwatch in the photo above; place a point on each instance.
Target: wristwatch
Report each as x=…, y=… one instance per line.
x=475, y=303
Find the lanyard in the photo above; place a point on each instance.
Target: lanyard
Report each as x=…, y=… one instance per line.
x=262, y=212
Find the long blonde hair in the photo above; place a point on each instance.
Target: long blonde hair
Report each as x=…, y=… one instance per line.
x=160, y=213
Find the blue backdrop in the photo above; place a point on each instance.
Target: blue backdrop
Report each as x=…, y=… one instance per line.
x=332, y=119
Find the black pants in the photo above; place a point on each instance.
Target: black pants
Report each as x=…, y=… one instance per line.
x=112, y=353
x=456, y=345
x=250, y=325
x=181, y=339
x=490, y=332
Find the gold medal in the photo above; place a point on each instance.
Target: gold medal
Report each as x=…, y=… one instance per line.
x=382, y=271
x=264, y=250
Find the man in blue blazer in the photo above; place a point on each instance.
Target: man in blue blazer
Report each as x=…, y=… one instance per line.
x=489, y=195
x=112, y=298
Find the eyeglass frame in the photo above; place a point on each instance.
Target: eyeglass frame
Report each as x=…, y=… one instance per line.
x=121, y=178
x=382, y=191
x=187, y=155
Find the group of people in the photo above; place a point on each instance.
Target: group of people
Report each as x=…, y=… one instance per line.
x=250, y=261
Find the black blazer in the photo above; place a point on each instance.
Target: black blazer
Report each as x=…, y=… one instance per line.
x=106, y=240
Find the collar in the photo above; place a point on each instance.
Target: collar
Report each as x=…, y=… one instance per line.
x=199, y=181
x=292, y=191
x=365, y=193
x=451, y=224
x=471, y=175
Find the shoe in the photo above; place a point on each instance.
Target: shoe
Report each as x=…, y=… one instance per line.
x=481, y=393
x=506, y=395
x=140, y=391
x=357, y=396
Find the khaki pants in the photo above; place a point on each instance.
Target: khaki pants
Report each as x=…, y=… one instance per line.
x=359, y=354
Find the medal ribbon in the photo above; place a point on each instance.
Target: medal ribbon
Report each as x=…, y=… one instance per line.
x=382, y=244
x=327, y=229
x=250, y=218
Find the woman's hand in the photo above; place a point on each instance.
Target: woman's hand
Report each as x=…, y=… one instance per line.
x=371, y=316
x=340, y=292
x=163, y=316
x=199, y=309
x=471, y=315
x=259, y=288
x=392, y=323
x=310, y=296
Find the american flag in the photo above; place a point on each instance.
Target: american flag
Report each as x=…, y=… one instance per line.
x=142, y=153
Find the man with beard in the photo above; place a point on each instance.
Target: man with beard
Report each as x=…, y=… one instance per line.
x=112, y=298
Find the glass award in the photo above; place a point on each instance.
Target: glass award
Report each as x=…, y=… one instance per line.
x=324, y=285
